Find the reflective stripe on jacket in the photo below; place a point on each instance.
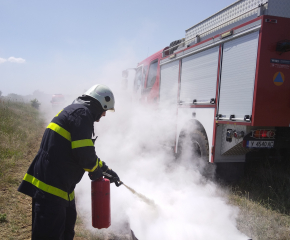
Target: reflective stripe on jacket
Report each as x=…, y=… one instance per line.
x=65, y=153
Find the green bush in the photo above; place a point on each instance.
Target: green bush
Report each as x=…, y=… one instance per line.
x=35, y=103
x=2, y=217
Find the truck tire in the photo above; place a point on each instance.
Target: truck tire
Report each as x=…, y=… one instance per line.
x=195, y=145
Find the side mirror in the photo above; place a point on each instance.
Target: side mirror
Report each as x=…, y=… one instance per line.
x=125, y=74
x=124, y=83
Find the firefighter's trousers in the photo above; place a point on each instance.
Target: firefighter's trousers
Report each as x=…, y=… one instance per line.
x=51, y=221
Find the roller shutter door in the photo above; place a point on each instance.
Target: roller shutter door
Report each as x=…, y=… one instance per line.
x=169, y=83
x=199, y=76
x=238, y=76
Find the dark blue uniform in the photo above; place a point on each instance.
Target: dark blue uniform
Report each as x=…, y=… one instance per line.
x=65, y=153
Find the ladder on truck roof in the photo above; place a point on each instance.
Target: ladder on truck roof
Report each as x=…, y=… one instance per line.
x=235, y=14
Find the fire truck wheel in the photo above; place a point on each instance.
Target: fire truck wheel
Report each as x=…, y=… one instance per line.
x=195, y=142
x=195, y=146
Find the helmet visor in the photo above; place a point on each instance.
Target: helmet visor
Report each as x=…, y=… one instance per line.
x=111, y=110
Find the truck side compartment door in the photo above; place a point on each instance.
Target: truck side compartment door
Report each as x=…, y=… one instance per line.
x=199, y=76
x=238, y=77
x=169, y=83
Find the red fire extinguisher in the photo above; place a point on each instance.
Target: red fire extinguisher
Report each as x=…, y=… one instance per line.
x=101, y=209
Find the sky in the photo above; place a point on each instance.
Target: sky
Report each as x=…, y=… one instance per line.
x=67, y=46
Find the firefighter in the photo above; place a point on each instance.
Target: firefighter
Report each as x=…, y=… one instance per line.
x=65, y=153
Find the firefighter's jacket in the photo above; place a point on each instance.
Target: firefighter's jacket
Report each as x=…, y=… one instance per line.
x=65, y=153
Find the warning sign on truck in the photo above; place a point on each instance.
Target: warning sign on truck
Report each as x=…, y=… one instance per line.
x=278, y=78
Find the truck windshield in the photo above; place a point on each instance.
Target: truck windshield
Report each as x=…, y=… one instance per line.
x=152, y=74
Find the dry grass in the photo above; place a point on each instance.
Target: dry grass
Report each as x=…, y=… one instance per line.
x=20, y=134
x=259, y=222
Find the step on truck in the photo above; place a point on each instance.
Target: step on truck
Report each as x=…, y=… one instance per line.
x=229, y=79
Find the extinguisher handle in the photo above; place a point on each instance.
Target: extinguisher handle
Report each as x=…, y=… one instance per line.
x=116, y=180
x=107, y=174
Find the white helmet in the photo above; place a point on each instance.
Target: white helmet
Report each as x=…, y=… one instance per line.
x=104, y=95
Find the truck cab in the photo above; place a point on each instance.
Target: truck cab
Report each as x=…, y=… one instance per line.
x=146, y=81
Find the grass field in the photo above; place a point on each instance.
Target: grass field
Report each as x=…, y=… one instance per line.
x=262, y=195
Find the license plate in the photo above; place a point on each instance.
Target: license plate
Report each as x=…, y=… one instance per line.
x=260, y=144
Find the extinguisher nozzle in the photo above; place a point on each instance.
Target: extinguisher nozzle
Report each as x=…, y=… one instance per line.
x=118, y=183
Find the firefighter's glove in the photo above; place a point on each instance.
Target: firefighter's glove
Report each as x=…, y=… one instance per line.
x=112, y=176
x=98, y=173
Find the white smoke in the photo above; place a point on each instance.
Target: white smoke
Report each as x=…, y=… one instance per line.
x=133, y=141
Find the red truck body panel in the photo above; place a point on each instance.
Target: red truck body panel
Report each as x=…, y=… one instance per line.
x=271, y=106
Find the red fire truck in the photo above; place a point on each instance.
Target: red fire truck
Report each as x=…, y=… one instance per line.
x=229, y=79
x=57, y=101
